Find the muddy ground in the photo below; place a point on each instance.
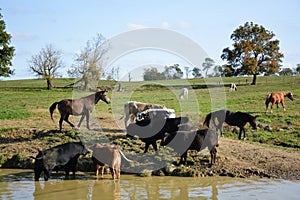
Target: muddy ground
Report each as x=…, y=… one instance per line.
x=235, y=158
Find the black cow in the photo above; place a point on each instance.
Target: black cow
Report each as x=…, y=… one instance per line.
x=64, y=155
x=151, y=130
x=182, y=141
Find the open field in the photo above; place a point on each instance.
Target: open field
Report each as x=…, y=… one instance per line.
x=26, y=126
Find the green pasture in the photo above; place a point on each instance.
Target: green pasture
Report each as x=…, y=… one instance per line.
x=29, y=99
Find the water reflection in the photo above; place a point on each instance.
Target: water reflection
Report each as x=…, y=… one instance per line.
x=19, y=184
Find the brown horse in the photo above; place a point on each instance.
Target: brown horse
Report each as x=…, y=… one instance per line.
x=276, y=98
x=83, y=106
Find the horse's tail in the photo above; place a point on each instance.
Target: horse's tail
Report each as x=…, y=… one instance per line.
x=267, y=100
x=52, y=108
x=207, y=119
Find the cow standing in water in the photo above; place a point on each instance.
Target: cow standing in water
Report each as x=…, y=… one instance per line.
x=64, y=155
x=276, y=98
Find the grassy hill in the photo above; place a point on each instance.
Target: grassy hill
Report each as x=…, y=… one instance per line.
x=25, y=103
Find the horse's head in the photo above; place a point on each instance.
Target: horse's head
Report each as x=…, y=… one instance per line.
x=290, y=96
x=101, y=95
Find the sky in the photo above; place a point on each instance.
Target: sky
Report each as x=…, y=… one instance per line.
x=67, y=25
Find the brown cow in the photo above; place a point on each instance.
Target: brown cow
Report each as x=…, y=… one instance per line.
x=131, y=108
x=276, y=98
x=108, y=155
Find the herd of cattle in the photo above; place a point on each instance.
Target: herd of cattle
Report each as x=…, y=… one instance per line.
x=150, y=122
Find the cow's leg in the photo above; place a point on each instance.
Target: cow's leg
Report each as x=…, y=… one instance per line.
x=242, y=130
x=47, y=174
x=154, y=146
x=183, y=158
x=102, y=171
x=37, y=174
x=112, y=171
x=240, y=133
x=81, y=119
x=146, y=147
x=97, y=167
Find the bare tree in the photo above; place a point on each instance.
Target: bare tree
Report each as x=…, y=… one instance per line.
x=89, y=62
x=46, y=64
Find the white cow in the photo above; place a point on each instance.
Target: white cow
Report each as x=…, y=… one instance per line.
x=233, y=87
x=184, y=93
x=131, y=108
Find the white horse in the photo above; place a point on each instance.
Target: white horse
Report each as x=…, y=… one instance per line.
x=184, y=93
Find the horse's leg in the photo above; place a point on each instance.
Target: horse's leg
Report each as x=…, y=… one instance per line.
x=88, y=120
x=67, y=120
x=81, y=119
x=60, y=122
x=273, y=103
x=282, y=103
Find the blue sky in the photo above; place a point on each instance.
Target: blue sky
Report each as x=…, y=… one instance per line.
x=69, y=24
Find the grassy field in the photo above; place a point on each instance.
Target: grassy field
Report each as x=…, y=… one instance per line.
x=25, y=103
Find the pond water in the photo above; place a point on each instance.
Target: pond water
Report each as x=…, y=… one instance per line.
x=19, y=184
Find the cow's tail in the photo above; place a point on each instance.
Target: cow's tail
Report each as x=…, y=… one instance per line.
x=52, y=108
x=123, y=155
x=207, y=120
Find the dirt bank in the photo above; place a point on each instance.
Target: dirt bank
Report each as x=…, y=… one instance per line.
x=235, y=158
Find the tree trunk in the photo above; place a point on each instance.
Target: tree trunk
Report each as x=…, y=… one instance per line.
x=49, y=85
x=254, y=79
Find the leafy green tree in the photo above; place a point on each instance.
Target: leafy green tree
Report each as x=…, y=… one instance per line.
x=173, y=72
x=46, y=63
x=152, y=73
x=6, y=51
x=208, y=64
x=254, y=51
x=196, y=72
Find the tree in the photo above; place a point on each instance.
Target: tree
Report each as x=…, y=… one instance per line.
x=173, y=72
x=6, y=51
x=152, y=73
x=254, y=51
x=89, y=62
x=208, y=63
x=298, y=68
x=46, y=64
x=196, y=72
